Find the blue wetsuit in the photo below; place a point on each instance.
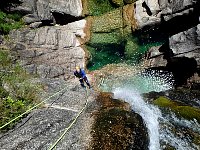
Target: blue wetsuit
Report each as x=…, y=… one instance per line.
x=82, y=77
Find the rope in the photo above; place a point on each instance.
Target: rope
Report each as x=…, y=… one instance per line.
x=67, y=128
x=31, y=108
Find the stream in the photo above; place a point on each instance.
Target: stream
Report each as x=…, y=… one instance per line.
x=165, y=130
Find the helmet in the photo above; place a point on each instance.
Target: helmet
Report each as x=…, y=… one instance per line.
x=77, y=68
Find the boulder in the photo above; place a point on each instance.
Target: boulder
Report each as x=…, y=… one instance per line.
x=143, y=14
x=26, y=7
x=30, y=18
x=154, y=58
x=43, y=9
x=187, y=43
x=117, y=127
x=35, y=25
x=153, y=12
x=118, y=3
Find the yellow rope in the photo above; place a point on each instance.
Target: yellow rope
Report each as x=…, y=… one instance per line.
x=31, y=109
x=67, y=128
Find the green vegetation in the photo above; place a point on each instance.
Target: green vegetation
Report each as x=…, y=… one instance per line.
x=17, y=92
x=99, y=7
x=181, y=110
x=9, y=21
x=112, y=40
x=108, y=22
x=105, y=38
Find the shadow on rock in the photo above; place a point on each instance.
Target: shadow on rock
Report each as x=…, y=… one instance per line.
x=182, y=68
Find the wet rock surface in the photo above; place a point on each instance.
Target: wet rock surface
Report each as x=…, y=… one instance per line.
x=43, y=126
x=116, y=127
x=183, y=95
x=180, y=109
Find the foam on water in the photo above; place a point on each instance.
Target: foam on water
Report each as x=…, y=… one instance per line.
x=160, y=126
x=149, y=113
x=179, y=141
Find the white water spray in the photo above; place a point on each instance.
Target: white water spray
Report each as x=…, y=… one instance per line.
x=149, y=113
x=130, y=91
x=160, y=126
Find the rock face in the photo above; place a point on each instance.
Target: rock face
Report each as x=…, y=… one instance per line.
x=154, y=12
x=50, y=51
x=147, y=13
x=154, y=58
x=187, y=43
x=42, y=10
x=41, y=128
x=183, y=44
x=179, y=21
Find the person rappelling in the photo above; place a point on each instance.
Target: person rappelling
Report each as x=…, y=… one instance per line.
x=80, y=73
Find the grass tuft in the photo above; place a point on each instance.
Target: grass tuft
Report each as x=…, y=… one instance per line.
x=17, y=92
x=9, y=22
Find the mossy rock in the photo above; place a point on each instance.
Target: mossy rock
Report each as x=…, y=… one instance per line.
x=131, y=48
x=129, y=1
x=196, y=139
x=118, y=3
x=99, y=7
x=164, y=102
x=108, y=22
x=105, y=38
x=181, y=110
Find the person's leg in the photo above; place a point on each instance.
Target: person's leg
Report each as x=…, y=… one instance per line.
x=87, y=82
x=82, y=83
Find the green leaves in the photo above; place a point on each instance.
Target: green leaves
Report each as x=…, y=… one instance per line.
x=9, y=22
x=17, y=92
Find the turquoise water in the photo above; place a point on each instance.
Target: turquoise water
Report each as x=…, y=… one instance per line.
x=129, y=49
x=109, y=54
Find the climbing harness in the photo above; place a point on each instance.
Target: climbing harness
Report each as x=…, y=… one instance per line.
x=31, y=108
x=68, y=127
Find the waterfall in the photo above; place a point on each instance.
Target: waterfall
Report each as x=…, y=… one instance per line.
x=164, y=129
x=130, y=92
x=149, y=113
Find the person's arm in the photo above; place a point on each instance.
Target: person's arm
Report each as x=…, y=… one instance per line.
x=75, y=74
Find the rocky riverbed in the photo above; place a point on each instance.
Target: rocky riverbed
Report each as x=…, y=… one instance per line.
x=163, y=36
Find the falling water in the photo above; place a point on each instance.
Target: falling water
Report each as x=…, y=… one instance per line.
x=149, y=113
x=160, y=126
